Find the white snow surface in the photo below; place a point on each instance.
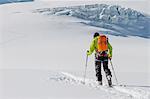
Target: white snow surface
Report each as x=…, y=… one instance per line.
x=43, y=57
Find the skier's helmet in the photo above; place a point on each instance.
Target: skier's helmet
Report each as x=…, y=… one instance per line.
x=96, y=34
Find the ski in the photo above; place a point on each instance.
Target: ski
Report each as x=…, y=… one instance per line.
x=120, y=85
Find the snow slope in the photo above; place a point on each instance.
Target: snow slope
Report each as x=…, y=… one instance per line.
x=126, y=91
x=43, y=57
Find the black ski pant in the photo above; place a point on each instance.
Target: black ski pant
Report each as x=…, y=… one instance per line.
x=98, y=63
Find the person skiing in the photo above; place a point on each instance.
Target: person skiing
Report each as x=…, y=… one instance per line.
x=103, y=52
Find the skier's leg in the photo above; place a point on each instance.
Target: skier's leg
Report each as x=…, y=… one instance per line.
x=98, y=71
x=107, y=71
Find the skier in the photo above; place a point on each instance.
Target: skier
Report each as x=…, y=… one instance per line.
x=103, y=52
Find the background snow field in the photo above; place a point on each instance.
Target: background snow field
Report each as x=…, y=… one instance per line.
x=43, y=49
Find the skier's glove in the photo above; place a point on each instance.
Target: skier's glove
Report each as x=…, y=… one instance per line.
x=88, y=53
x=109, y=58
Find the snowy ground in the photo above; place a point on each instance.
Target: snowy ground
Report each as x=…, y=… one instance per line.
x=43, y=57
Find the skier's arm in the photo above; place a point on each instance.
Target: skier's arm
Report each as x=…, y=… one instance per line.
x=92, y=47
x=110, y=50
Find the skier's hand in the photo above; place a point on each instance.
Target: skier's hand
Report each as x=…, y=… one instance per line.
x=87, y=52
x=109, y=58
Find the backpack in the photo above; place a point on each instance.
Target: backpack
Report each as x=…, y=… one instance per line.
x=102, y=43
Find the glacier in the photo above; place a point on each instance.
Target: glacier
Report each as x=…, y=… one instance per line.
x=43, y=56
x=13, y=1
x=117, y=20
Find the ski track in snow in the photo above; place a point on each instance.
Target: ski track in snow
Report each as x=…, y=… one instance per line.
x=119, y=91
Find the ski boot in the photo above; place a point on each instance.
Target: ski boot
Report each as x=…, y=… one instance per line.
x=109, y=80
x=100, y=83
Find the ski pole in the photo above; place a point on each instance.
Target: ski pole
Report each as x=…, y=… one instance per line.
x=114, y=72
x=85, y=68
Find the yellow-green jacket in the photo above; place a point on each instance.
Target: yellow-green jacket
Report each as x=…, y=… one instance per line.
x=94, y=46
